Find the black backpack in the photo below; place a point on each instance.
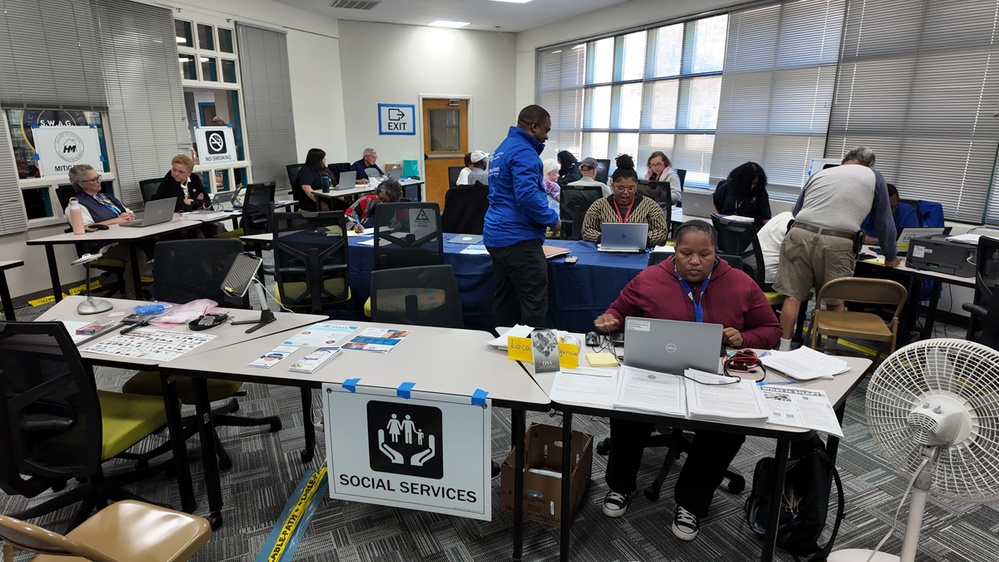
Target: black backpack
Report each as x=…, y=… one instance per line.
x=807, y=484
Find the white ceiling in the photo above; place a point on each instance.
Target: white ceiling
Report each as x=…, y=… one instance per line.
x=483, y=14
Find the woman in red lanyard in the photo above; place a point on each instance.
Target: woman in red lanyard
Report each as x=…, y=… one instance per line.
x=625, y=205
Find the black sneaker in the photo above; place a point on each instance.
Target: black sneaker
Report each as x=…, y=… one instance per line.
x=685, y=524
x=615, y=504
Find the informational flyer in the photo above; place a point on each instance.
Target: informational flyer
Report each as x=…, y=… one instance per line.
x=272, y=357
x=321, y=335
x=377, y=339
x=801, y=407
x=151, y=343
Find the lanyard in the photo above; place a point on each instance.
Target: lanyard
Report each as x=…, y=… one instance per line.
x=103, y=200
x=698, y=308
x=626, y=215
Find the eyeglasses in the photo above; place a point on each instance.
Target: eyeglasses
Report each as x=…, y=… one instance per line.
x=97, y=179
x=625, y=187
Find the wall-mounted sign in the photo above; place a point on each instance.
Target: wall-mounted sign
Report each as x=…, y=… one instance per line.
x=429, y=452
x=215, y=144
x=396, y=119
x=59, y=148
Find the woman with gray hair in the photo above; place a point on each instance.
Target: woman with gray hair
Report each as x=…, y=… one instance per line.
x=362, y=213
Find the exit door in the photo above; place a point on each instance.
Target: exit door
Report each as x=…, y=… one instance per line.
x=445, y=142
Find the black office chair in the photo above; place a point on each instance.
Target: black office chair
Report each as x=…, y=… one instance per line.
x=421, y=296
x=148, y=188
x=310, y=260
x=452, y=175
x=337, y=168
x=982, y=309
x=683, y=176
x=55, y=426
x=258, y=208
x=293, y=170
x=186, y=270
x=408, y=235
x=465, y=209
x=573, y=204
x=914, y=203
x=661, y=194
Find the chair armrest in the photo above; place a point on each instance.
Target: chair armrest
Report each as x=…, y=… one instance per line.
x=976, y=310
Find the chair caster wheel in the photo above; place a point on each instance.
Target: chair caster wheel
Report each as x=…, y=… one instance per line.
x=652, y=494
x=225, y=462
x=737, y=485
x=215, y=520
x=307, y=455
x=276, y=426
x=604, y=447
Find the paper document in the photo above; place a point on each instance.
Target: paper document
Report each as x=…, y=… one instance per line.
x=151, y=344
x=801, y=407
x=648, y=391
x=965, y=238
x=737, y=218
x=475, y=249
x=584, y=386
x=805, y=364
x=380, y=340
x=518, y=331
x=321, y=335
x=718, y=398
x=368, y=242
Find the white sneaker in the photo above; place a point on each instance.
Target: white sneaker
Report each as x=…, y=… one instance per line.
x=685, y=524
x=615, y=504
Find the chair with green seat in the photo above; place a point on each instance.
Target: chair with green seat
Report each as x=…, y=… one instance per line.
x=55, y=426
x=422, y=296
x=258, y=208
x=187, y=270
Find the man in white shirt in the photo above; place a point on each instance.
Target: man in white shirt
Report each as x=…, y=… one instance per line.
x=771, y=236
x=588, y=167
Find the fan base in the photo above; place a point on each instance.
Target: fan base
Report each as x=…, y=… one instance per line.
x=860, y=555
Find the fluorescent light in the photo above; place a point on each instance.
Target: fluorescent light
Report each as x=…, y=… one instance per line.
x=448, y=23
x=513, y=1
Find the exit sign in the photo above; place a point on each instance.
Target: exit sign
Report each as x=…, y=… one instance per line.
x=396, y=119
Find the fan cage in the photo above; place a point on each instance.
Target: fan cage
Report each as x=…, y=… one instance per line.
x=967, y=372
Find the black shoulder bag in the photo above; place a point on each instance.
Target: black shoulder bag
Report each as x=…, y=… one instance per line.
x=805, y=502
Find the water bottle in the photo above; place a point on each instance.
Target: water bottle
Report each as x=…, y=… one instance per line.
x=76, y=216
x=325, y=180
x=990, y=273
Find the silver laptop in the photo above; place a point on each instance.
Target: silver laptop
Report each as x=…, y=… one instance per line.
x=466, y=239
x=698, y=203
x=157, y=211
x=671, y=346
x=373, y=172
x=623, y=237
x=347, y=180
x=395, y=173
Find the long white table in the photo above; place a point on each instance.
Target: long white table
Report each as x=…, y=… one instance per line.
x=439, y=360
x=225, y=335
x=115, y=233
x=365, y=188
x=837, y=389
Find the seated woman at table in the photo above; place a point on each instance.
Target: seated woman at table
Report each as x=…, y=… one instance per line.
x=310, y=179
x=678, y=289
x=625, y=205
x=661, y=169
x=103, y=208
x=361, y=214
x=744, y=193
x=186, y=187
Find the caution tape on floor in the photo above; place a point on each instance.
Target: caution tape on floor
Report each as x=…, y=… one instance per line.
x=94, y=285
x=294, y=520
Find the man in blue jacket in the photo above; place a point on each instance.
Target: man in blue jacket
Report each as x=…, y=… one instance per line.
x=516, y=222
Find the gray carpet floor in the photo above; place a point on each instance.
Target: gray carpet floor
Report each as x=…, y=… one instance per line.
x=267, y=469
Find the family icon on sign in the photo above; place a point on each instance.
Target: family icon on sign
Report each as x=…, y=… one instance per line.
x=407, y=428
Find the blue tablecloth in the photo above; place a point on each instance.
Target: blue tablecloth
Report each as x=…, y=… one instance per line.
x=577, y=293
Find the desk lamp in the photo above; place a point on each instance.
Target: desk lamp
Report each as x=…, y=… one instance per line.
x=92, y=305
x=241, y=275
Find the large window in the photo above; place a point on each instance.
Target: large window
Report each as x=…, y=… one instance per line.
x=634, y=93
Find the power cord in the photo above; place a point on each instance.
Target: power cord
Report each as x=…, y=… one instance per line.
x=894, y=521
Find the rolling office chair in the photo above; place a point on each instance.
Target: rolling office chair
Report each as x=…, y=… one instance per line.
x=573, y=204
x=421, y=296
x=465, y=209
x=983, y=307
x=125, y=530
x=292, y=170
x=452, y=176
x=55, y=426
x=408, y=235
x=187, y=270
x=148, y=188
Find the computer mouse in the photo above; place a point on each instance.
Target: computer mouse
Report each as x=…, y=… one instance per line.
x=592, y=339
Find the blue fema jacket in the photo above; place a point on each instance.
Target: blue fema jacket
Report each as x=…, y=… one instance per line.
x=518, y=208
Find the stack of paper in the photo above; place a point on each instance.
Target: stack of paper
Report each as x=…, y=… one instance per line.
x=805, y=364
x=518, y=331
x=640, y=390
x=313, y=361
x=717, y=398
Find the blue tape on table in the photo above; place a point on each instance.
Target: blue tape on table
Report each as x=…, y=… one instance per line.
x=404, y=389
x=479, y=397
x=92, y=126
x=351, y=384
x=36, y=157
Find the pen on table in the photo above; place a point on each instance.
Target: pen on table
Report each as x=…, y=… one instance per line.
x=765, y=383
x=134, y=326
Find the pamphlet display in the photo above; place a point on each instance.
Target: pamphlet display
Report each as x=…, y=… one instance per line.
x=151, y=344
x=378, y=340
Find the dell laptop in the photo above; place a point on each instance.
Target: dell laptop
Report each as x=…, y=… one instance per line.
x=347, y=180
x=466, y=239
x=671, y=346
x=698, y=204
x=623, y=237
x=157, y=211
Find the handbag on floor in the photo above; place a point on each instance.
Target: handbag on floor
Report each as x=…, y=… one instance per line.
x=804, y=503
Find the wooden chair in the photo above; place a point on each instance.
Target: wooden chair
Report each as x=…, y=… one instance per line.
x=859, y=325
x=124, y=531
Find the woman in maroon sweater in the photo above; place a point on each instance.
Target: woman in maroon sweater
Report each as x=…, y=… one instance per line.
x=696, y=286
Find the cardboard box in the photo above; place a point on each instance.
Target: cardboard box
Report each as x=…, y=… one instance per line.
x=542, y=474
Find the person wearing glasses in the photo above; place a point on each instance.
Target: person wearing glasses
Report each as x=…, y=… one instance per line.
x=183, y=185
x=105, y=209
x=693, y=285
x=625, y=205
x=661, y=169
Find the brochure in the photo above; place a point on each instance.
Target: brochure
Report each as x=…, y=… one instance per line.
x=321, y=334
x=377, y=339
x=271, y=358
x=313, y=361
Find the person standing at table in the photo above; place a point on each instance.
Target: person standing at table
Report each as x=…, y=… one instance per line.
x=368, y=160
x=625, y=205
x=588, y=168
x=516, y=221
x=693, y=285
x=661, y=169
x=819, y=247
x=744, y=193
x=310, y=179
x=184, y=186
